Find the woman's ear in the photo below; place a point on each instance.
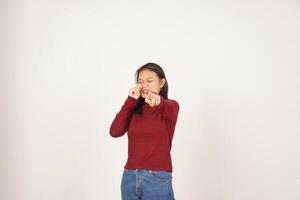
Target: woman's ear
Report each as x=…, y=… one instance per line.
x=162, y=82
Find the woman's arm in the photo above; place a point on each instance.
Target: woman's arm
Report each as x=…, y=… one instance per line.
x=120, y=124
x=169, y=109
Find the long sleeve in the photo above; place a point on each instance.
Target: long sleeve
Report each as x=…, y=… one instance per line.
x=121, y=121
x=168, y=108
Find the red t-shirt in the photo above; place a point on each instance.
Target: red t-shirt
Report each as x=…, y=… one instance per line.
x=149, y=135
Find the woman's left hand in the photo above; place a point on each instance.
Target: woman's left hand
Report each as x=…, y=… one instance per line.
x=152, y=99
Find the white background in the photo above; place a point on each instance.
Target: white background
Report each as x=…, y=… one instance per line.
x=67, y=66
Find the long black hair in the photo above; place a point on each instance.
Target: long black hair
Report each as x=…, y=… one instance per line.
x=164, y=90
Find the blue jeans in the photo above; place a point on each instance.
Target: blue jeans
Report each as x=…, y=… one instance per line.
x=146, y=185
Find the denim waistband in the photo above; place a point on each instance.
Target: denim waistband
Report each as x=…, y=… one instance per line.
x=145, y=170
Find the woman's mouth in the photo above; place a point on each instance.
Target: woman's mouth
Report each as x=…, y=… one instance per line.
x=145, y=91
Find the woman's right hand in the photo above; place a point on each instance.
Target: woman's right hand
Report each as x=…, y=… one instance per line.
x=135, y=92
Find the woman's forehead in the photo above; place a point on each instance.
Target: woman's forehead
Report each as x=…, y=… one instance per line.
x=146, y=74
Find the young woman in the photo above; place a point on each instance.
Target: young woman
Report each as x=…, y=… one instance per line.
x=149, y=118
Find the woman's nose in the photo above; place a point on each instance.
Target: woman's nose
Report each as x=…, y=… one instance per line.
x=144, y=85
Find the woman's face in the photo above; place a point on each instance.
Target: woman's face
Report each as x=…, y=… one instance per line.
x=149, y=81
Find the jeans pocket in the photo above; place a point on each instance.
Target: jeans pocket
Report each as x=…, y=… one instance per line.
x=161, y=176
